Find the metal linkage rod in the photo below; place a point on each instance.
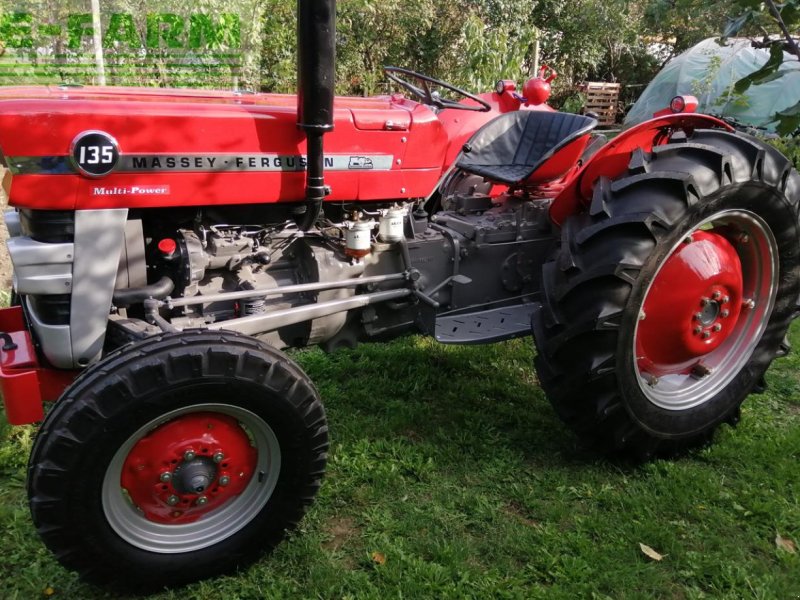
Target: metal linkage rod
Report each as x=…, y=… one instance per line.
x=263, y=323
x=279, y=291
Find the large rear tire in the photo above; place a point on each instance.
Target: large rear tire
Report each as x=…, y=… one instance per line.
x=177, y=458
x=667, y=301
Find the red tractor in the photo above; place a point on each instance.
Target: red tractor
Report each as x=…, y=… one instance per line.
x=168, y=244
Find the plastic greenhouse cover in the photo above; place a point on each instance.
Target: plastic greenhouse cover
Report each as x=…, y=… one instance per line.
x=709, y=71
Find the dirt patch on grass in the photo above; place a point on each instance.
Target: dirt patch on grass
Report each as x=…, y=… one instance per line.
x=412, y=435
x=341, y=530
x=518, y=512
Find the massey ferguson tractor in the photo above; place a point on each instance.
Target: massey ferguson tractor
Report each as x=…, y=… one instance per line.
x=168, y=245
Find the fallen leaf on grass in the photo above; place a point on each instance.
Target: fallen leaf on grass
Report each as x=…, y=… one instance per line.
x=785, y=544
x=650, y=553
x=379, y=558
x=48, y=591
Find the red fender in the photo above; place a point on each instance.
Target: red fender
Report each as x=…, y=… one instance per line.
x=612, y=159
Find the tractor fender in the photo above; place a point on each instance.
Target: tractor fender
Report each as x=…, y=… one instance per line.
x=612, y=159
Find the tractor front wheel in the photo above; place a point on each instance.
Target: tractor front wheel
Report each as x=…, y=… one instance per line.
x=177, y=458
x=668, y=300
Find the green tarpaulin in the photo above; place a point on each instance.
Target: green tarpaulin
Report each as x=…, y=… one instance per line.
x=709, y=71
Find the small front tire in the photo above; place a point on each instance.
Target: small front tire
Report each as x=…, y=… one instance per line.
x=177, y=458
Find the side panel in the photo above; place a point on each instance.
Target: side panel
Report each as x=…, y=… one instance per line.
x=40, y=267
x=84, y=272
x=99, y=237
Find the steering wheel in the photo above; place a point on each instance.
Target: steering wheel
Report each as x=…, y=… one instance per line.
x=432, y=98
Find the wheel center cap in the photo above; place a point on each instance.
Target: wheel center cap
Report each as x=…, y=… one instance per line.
x=709, y=313
x=193, y=477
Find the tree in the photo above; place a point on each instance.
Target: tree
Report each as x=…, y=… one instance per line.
x=680, y=24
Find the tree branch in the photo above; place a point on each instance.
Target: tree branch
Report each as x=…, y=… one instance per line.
x=793, y=48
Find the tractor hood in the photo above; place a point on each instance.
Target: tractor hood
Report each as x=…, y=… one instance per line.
x=74, y=94
x=161, y=146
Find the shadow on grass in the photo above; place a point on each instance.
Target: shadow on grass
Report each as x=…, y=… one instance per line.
x=469, y=401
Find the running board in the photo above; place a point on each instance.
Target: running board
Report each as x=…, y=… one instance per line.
x=486, y=326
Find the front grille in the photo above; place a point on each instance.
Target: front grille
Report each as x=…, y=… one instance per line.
x=53, y=226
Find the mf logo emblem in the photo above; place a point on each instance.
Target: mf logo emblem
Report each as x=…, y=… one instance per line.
x=362, y=163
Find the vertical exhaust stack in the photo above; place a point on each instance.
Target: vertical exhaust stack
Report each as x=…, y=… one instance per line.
x=316, y=63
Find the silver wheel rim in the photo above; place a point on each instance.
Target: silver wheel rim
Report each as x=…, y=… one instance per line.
x=759, y=258
x=212, y=528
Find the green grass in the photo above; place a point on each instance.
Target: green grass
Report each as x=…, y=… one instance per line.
x=449, y=462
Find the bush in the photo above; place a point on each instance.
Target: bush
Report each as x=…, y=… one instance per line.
x=789, y=146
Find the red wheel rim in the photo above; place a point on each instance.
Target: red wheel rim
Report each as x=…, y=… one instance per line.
x=188, y=467
x=705, y=310
x=143, y=513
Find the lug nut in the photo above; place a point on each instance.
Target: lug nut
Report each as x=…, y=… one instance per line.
x=650, y=379
x=224, y=480
x=716, y=295
x=725, y=299
x=698, y=330
x=202, y=500
x=165, y=476
x=725, y=313
x=189, y=455
x=717, y=327
x=218, y=457
x=704, y=301
x=706, y=335
x=698, y=316
x=173, y=500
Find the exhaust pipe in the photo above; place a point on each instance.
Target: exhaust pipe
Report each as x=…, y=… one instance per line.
x=316, y=63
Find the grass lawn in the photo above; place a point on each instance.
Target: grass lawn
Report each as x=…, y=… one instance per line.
x=450, y=476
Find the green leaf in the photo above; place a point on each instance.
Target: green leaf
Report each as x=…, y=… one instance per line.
x=788, y=120
x=768, y=72
x=768, y=78
x=735, y=25
x=791, y=111
x=790, y=13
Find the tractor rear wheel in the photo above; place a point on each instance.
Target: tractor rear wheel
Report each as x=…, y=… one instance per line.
x=667, y=301
x=177, y=458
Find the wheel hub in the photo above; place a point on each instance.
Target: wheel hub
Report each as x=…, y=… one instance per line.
x=692, y=305
x=709, y=313
x=195, y=476
x=188, y=467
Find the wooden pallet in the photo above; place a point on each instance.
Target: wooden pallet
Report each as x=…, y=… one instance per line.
x=602, y=99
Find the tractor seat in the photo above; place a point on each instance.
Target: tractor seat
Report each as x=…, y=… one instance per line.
x=512, y=147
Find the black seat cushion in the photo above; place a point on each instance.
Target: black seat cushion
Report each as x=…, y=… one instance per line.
x=511, y=147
